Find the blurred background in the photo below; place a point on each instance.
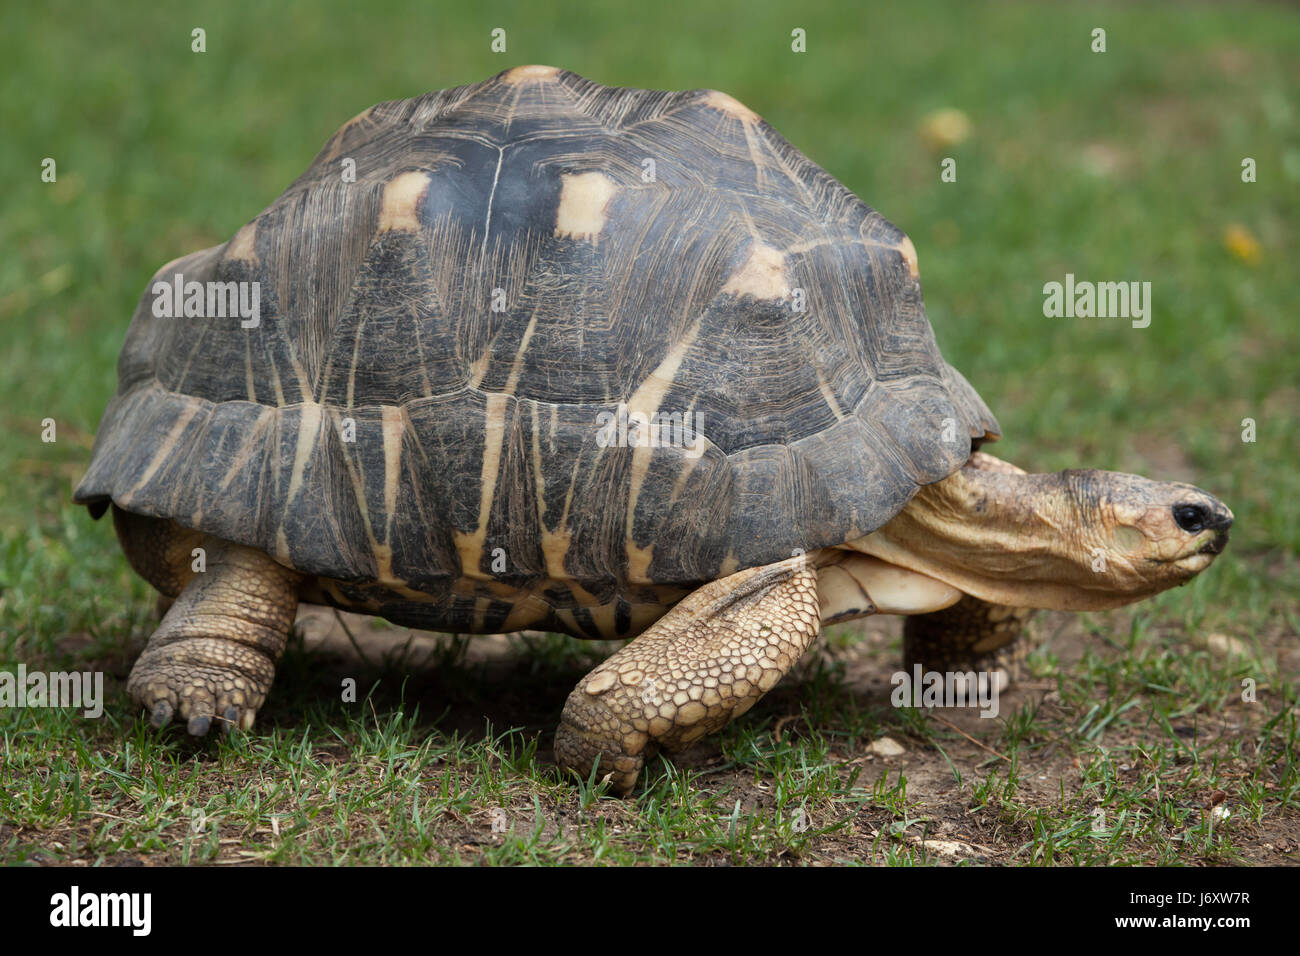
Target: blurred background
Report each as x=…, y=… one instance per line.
x=1117, y=165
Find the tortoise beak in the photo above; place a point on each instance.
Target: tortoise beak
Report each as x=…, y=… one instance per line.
x=1216, y=544
x=1220, y=521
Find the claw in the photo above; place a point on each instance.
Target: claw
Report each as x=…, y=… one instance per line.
x=231, y=717
x=198, y=726
x=162, y=713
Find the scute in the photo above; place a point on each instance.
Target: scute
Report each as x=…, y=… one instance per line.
x=438, y=340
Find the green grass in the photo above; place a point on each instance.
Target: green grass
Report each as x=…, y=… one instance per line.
x=1115, y=166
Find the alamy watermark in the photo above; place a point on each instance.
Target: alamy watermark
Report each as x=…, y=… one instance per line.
x=84, y=689
x=946, y=689
x=129, y=910
x=1101, y=300
x=626, y=429
x=208, y=300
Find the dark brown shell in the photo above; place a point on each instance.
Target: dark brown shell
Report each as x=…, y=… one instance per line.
x=477, y=430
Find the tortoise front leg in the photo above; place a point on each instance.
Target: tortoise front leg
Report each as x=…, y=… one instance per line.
x=706, y=661
x=214, y=653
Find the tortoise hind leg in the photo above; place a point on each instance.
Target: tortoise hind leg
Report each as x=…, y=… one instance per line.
x=213, y=655
x=159, y=550
x=971, y=635
x=706, y=661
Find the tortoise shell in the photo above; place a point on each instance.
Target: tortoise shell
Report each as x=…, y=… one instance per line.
x=445, y=337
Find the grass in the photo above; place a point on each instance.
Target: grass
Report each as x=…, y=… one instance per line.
x=1129, y=740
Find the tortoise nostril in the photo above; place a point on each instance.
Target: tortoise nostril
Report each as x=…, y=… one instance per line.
x=1191, y=518
x=1222, y=520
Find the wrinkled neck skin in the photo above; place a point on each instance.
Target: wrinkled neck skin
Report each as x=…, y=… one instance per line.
x=1025, y=540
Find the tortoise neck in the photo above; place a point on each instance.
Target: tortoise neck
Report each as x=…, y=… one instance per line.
x=996, y=532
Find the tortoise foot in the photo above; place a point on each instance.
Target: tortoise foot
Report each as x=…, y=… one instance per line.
x=593, y=736
x=202, y=682
x=212, y=660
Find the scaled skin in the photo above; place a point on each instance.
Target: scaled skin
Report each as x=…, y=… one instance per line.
x=709, y=659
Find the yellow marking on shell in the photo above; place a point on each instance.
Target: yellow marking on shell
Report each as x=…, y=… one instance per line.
x=731, y=107
x=723, y=103
x=383, y=564
x=584, y=199
x=250, y=387
x=651, y=391
x=254, y=443
x=304, y=386
x=555, y=544
x=828, y=395
x=646, y=400
x=686, y=467
x=275, y=385
x=164, y=452
x=393, y=421
x=337, y=138
x=394, y=426
x=382, y=552
x=352, y=368
x=243, y=247
x=809, y=245
x=584, y=597
x=470, y=544
x=530, y=608
x=530, y=74
x=909, y=256
x=754, y=144
x=309, y=420
x=517, y=368
x=479, y=368
x=762, y=276
x=568, y=620
x=281, y=546
x=604, y=617
x=730, y=565
x=526, y=611
x=402, y=198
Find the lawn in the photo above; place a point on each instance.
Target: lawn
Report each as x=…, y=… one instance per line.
x=1130, y=741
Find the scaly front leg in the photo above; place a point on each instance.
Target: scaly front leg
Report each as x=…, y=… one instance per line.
x=706, y=661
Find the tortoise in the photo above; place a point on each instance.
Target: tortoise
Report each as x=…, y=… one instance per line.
x=537, y=353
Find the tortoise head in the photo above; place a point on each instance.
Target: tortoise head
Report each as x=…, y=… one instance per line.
x=1071, y=540
x=1158, y=531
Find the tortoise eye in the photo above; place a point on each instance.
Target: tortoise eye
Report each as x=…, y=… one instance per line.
x=1191, y=518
